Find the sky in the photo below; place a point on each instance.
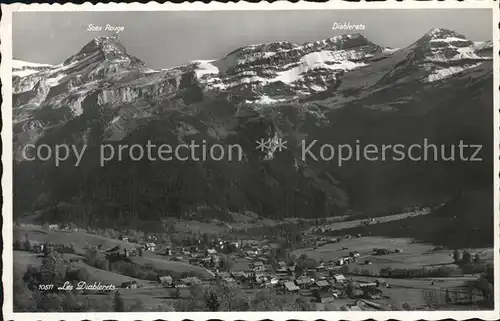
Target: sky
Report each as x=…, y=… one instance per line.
x=171, y=38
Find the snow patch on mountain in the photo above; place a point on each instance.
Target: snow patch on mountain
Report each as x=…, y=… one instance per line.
x=205, y=67
x=448, y=39
x=439, y=74
x=480, y=45
x=390, y=51
x=266, y=100
x=315, y=60
x=23, y=68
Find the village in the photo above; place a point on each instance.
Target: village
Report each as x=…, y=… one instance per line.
x=354, y=279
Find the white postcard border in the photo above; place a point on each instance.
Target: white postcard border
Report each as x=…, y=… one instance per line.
x=6, y=78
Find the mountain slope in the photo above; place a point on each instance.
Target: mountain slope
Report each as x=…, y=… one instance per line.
x=338, y=91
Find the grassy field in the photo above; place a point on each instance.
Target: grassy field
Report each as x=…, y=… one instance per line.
x=193, y=226
x=162, y=262
x=79, y=239
x=337, y=226
x=413, y=255
x=23, y=259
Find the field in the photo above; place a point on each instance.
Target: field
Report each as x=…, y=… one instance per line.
x=23, y=259
x=79, y=239
x=240, y=223
x=342, y=225
x=162, y=262
x=413, y=255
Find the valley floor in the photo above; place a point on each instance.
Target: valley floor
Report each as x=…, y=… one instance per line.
x=402, y=253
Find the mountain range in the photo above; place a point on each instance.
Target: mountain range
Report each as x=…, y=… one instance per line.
x=339, y=90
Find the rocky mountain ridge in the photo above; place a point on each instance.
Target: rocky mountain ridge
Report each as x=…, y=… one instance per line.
x=337, y=90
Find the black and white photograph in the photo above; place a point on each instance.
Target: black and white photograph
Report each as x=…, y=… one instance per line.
x=251, y=160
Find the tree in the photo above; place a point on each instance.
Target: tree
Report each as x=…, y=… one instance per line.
x=138, y=306
x=32, y=278
x=140, y=250
x=466, y=258
x=266, y=300
x=349, y=289
x=225, y=263
x=53, y=270
x=477, y=258
x=70, y=303
x=24, y=300
x=118, y=304
x=49, y=302
x=300, y=304
x=212, y=299
x=77, y=275
x=456, y=257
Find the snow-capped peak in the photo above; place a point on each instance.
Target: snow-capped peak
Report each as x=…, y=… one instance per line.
x=443, y=33
x=105, y=44
x=23, y=68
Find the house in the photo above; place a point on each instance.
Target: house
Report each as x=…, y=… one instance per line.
x=209, y=252
x=367, y=285
x=261, y=277
x=322, y=284
x=166, y=281
x=129, y=252
x=354, y=254
x=324, y=296
x=129, y=285
x=75, y=259
x=37, y=248
x=310, y=272
x=382, y=282
x=274, y=281
x=150, y=247
x=321, y=268
x=258, y=266
x=282, y=271
x=339, y=278
x=303, y=282
x=181, y=285
x=194, y=261
x=239, y=275
x=191, y=280
x=291, y=287
x=282, y=265
x=381, y=251
x=168, y=251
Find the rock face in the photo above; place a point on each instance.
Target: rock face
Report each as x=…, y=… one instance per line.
x=437, y=55
x=337, y=90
